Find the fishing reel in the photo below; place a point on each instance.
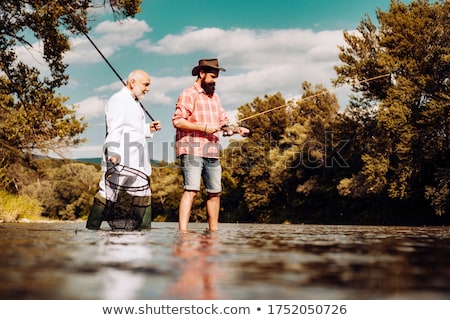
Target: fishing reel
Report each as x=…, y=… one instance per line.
x=230, y=129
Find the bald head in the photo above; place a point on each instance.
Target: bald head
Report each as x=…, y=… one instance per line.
x=137, y=74
x=139, y=83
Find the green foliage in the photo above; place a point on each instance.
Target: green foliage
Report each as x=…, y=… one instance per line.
x=387, y=150
x=270, y=126
x=249, y=159
x=17, y=207
x=406, y=138
x=439, y=195
x=33, y=117
x=125, y=8
x=286, y=153
x=166, y=184
x=66, y=191
x=384, y=159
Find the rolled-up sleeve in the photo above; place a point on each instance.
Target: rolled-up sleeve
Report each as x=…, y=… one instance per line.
x=183, y=109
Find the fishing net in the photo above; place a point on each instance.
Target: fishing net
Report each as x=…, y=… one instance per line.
x=127, y=194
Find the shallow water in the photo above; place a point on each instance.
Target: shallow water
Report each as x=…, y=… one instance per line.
x=63, y=260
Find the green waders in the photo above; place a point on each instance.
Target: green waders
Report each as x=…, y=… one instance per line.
x=143, y=209
x=95, y=217
x=145, y=213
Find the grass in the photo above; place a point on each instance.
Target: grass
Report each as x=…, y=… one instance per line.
x=15, y=208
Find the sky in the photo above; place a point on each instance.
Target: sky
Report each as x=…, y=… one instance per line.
x=265, y=46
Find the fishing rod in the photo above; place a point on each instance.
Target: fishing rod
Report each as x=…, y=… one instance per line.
x=231, y=129
x=101, y=54
x=115, y=72
x=307, y=98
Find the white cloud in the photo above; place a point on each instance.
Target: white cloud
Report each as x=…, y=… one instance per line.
x=249, y=48
x=109, y=37
x=124, y=32
x=33, y=56
x=91, y=107
x=114, y=86
x=257, y=61
x=84, y=151
x=164, y=90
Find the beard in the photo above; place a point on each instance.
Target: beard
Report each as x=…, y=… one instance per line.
x=138, y=94
x=209, y=88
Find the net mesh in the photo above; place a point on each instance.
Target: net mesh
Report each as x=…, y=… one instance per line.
x=127, y=189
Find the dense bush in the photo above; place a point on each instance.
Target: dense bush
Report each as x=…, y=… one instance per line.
x=18, y=207
x=66, y=190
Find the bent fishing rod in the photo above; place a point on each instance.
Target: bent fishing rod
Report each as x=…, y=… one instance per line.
x=306, y=98
x=229, y=130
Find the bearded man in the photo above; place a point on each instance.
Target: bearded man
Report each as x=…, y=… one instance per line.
x=198, y=119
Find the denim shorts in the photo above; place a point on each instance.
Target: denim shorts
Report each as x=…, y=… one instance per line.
x=195, y=167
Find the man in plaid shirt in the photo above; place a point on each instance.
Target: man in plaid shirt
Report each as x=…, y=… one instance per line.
x=199, y=118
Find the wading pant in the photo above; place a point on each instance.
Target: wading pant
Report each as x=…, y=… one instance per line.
x=146, y=215
x=95, y=217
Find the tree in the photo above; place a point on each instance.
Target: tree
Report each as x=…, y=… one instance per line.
x=65, y=190
x=308, y=154
x=33, y=117
x=406, y=153
x=166, y=185
x=287, y=156
x=249, y=158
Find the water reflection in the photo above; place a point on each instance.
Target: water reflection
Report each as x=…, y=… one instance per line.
x=124, y=256
x=66, y=261
x=196, y=266
x=312, y=262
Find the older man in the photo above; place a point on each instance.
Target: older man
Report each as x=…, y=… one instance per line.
x=126, y=141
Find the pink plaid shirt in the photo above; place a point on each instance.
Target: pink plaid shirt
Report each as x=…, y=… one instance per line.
x=195, y=106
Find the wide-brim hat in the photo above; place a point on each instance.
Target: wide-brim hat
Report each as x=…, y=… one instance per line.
x=205, y=64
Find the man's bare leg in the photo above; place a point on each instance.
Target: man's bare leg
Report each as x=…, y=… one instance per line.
x=184, y=211
x=213, y=208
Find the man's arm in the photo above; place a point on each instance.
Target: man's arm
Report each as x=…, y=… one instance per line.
x=187, y=125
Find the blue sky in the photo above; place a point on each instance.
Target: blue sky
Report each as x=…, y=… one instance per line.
x=266, y=47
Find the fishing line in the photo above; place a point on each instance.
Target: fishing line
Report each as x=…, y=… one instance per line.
x=115, y=72
x=307, y=98
x=106, y=60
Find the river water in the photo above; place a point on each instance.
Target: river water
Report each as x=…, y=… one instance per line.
x=63, y=260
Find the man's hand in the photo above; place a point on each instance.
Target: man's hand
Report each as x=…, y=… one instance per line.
x=114, y=159
x=229, y=130
x=243, y=131
x=155, y=126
